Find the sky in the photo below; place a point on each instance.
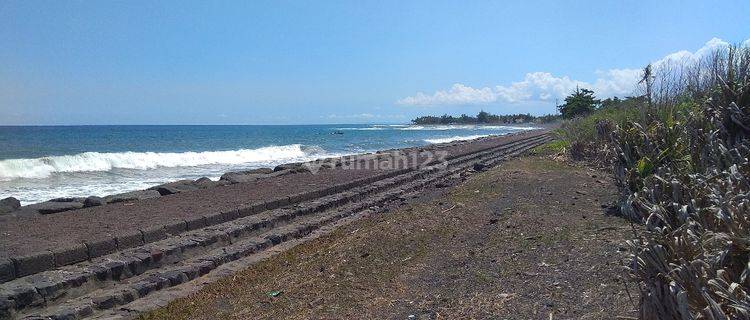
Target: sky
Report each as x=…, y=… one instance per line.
x=308, y=62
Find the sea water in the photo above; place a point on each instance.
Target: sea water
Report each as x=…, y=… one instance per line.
x=38, y=163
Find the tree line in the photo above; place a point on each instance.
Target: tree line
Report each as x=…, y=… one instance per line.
x=485, y=118
x=579, y=103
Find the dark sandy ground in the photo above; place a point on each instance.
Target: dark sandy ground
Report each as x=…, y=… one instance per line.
x=525, y=240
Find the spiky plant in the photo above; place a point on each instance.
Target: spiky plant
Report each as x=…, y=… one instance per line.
x=685, y=175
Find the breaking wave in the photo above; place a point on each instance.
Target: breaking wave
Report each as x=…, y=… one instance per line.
x=98, y=161
x=407, y=127
x=455, y=138
x=363, y=129
x=464, y=127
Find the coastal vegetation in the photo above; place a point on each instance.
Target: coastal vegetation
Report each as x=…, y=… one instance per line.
x=679, y=153
x=580, y=103
x=485, y=118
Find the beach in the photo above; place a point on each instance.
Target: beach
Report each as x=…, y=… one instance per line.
x=42, y=163
x=59, y=263
x=418, y=160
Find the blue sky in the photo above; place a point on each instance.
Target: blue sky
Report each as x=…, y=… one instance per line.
x=289, y=62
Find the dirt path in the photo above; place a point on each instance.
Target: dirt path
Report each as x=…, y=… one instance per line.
x=526, y=240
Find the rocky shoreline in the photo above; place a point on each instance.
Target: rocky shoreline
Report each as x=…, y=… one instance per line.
x=91, y=261
x=12, y=206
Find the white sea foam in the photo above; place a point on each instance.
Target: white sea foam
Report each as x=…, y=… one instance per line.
x=97, y=161
x=362, y=129
x=456, y=138
x=506, y=128
x=440, y=127
x=436, y=127
x=409, y=128
x=463, y=127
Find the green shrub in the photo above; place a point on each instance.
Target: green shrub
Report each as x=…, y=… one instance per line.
x=681, y=165
x=588, y=136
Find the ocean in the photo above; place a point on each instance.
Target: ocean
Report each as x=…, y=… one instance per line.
x=38, y=163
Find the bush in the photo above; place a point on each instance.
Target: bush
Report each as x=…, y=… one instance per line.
x=681, y=165
x=687, y=180
x=588, y=136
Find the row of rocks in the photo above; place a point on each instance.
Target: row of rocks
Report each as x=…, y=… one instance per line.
x=263, y=173
x=12, y=205
x=184, y=186
x=246, y=176
x=66, y=204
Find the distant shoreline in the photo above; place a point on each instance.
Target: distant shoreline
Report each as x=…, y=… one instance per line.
x=486, y=118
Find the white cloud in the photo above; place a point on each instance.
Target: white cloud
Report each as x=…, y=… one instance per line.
x=543, y=86
x=458, y=94
x=684, y=56
x=536, y=86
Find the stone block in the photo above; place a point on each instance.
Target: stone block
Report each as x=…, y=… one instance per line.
x=7, y=270
x=154, y=234
x=100, y=247
x=34, y=263
x=70, y=254
x=230, y=215
x=129, y=240
x=196, y=223
x=176, y=227
x=214, y=219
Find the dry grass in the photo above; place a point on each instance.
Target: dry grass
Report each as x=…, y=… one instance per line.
x=497, y=246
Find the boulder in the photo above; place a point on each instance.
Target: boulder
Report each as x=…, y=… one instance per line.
x=204, y=183
x=307, y=168
x=176, y=187
x=246, y=175
x=239, y=177
x=68, y=199
x=9, y=204
x=203, y=180
x=287, y=166
x=49, y=207
x=93, y=201
x=259, y=171
x=132, y=196
x=302, y=167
